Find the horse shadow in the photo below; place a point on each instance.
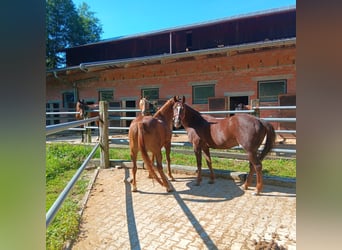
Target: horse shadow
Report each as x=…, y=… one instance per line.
x=220, y=191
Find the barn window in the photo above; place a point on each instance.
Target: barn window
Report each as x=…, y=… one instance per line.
x=150, y=93
x=106, y=95
x=201, y=93
x=268, y=91
x=68, y=99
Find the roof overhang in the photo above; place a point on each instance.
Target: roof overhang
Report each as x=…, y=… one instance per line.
x=175, y=57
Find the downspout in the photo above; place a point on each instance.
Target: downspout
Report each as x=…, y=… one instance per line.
x=75, y=91
x=55, y=74
x=83, y=68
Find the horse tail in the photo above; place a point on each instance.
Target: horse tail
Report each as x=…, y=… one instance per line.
x=270, y=139
x=146, y=158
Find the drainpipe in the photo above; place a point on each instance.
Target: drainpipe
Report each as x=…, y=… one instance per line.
x=83, y=68
x=75, y=91
x=55, y=74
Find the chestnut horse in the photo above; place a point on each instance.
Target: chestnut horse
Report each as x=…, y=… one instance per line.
x=205, y=131
x=144, y=106
x=151, y=133
x=86, y=111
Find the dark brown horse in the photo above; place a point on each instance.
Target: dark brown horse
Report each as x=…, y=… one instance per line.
x=205, y=131
x=86, y=111
x=151, y=133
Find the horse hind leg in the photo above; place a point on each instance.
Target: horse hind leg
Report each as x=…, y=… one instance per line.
x=249, y=178
x=162, y=174
x=255, y=166
x=133, y=181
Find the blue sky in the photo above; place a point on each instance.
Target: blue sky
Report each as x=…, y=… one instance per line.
x=123, y=17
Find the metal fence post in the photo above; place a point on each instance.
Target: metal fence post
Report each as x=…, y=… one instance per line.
x=104, y=135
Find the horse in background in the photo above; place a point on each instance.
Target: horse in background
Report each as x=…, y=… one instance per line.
x=86, y=111
x=151, y=133
x=205, y=131
x=146, y=107
x=242, y=106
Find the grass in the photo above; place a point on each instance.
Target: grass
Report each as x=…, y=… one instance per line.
x=62, y=161
x=271, y=167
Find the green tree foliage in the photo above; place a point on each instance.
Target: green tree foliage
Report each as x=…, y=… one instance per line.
x=68, y=26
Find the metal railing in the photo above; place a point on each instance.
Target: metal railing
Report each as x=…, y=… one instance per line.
x=51, y=129
x=59, y=201
x=252, y=111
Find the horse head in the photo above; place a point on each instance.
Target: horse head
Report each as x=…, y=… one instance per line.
x=80, y=108
x=178, y=111
x=144, y=106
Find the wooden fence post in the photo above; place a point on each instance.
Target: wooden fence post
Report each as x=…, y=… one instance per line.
x=104, y=135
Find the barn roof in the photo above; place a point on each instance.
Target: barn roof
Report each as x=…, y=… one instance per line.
x=86, y=57
x=192, y=26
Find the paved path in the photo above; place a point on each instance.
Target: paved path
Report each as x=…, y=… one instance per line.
x=210, y=216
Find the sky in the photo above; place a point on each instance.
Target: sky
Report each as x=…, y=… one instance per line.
x=130, y=17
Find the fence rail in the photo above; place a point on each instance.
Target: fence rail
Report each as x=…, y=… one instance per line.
x=59, y=201
x=254, y=110
x=104, y=154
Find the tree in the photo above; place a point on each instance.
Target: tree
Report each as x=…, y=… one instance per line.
x=67, y=27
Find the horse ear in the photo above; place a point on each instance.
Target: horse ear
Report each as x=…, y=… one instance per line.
x=183, y=99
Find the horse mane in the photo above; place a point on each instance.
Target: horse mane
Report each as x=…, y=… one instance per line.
x=195, y=116
x=163, y=108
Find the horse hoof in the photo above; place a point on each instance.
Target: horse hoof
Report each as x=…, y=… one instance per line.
x=169, y=190
x=211, y=182
x=134, y=189
x=255, y=193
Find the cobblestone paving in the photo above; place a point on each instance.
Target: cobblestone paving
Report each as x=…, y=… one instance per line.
x=210, y=216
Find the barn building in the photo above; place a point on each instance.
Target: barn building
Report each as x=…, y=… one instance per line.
x=216, y=65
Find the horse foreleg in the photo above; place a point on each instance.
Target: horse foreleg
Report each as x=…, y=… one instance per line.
x=208, y=160
x=162, y=174
x=168, y=159
x=152, y=160
x=198, y=154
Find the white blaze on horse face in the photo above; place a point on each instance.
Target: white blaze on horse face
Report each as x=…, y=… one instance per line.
x=144, y=106
x=177, y=119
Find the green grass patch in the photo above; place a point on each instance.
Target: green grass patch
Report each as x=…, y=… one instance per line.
x=271, y=167
x=62, y=162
